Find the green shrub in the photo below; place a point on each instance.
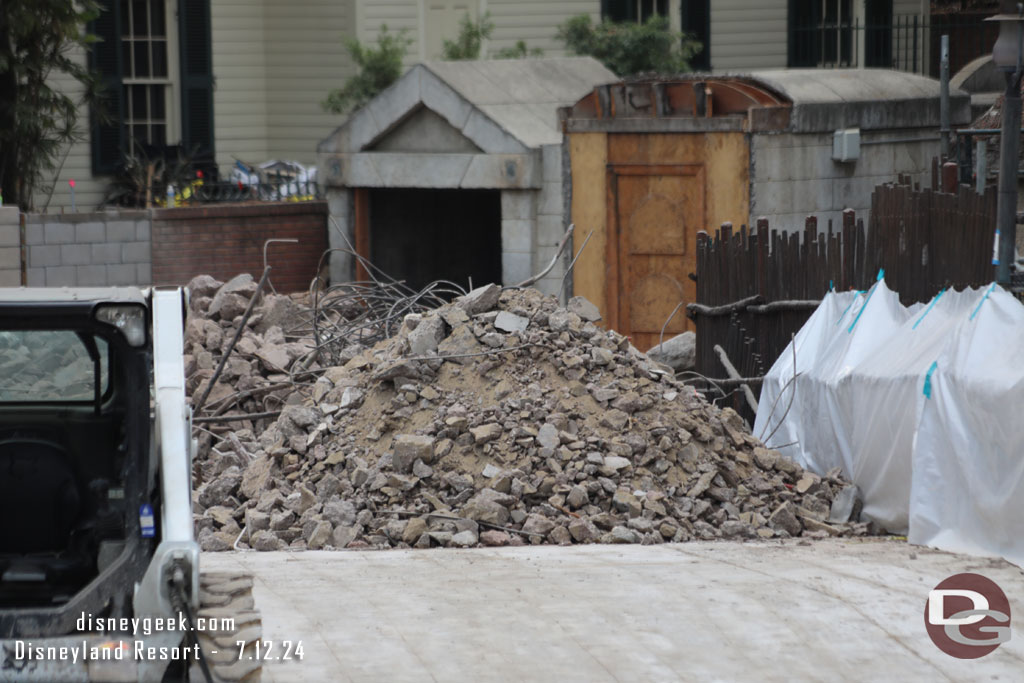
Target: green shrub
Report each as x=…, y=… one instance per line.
x=471, y=36
x=469, y=42
x=630, y=48
x=378, y=68
x=519, y=51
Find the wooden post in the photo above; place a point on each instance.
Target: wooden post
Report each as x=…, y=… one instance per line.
x=949, y=179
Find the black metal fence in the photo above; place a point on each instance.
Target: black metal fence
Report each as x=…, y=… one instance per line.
x=904, y=42
x=206, y=192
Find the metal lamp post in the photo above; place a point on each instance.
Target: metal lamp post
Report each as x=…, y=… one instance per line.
x=1007, y=55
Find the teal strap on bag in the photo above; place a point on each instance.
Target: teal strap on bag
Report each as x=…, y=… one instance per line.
x=852, y=301
x=978, y=308
x=928, y=379
x=861, y=311
x=930, y=306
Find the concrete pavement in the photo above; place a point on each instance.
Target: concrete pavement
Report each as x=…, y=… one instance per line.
x=709, y=611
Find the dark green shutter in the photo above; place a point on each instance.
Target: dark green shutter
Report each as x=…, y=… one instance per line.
x=107, y=133
x=696, y=20
x=196, y=79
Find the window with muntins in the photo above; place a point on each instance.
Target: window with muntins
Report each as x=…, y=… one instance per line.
x=146, y=78
x=153, y=59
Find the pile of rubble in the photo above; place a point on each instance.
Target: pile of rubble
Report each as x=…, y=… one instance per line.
x=498, y=419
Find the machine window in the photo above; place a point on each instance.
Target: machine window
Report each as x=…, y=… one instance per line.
x=51, y=365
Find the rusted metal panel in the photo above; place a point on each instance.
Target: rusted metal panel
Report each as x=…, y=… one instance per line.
x=703, y=103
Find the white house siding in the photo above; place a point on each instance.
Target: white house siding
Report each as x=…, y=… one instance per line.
x=535, y=22
x=398, y=15
x=239, y=96
x=77, y=165
x=748, y=35
x=305, y=58
x=430, y=22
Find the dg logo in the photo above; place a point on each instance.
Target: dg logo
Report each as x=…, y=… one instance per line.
x=967, y=616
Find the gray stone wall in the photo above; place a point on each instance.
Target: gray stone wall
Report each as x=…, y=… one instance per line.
x=518, y=217
x=340, y=234
x=88, y=249
x=10, y=246
x=793, y=175
x=532, y=225
x=551, y=211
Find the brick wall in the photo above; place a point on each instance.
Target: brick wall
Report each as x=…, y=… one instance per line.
x=87, y=249
x=224, y=241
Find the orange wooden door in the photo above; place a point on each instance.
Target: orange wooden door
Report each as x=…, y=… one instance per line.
x=657, y=211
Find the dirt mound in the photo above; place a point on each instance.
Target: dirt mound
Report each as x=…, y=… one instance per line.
x=500, y=418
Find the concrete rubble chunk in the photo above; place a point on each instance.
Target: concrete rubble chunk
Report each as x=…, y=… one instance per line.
x=621, y=534
x=784, y=519
x=203, y=285
x=273, y=357
x=615, y=419
x=411, y=447
x=343, y=535
x=577, y=497
x=486, y=511
x=547, y=436
x=537, y=525
x=509, y=322
x=464, y=539
x=808, y=483
x=495, y=538
x=486, y=432
x=584, y=309
x=678, y=353
x=459, y=345
x=428, y=334
x=480, y=300
x=623, y=501
x=242, y=286
x=217, y=491
x=266, y=541
x=613, y=464
x=583, y=530
x=321, y=535
x=258, y=476
x=413, y=530
x=560, y=536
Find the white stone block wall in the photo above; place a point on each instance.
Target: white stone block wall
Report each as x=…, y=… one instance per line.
x=88, y=249
x=518, y=217
x=10, y=246
x=340, y=234
x=794, y=176
x=551, y=203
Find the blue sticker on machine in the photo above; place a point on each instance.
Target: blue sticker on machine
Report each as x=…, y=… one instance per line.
x=146, y=522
